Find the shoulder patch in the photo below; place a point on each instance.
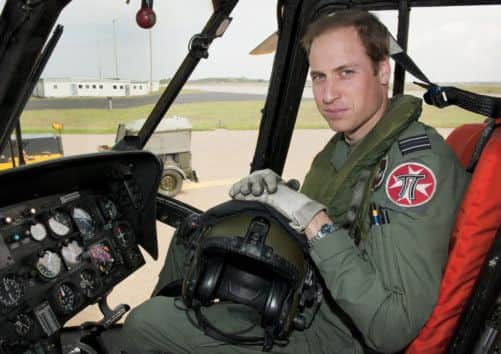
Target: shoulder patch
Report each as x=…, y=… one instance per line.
x=411, y=184
x=414, y=143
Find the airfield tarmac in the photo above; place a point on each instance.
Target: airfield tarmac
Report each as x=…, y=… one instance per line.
x=220, y=157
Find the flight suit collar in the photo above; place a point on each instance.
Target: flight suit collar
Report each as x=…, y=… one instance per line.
x=340, y=153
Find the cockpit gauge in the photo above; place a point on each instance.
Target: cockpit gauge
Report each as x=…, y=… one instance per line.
x=123, y=234
x=38, y=231
x=134, y=258
x=102, y=256
x=65, y=297
x=85, y=223
x=49, y=265
x=89, y=282
x=23, y=324
x=11, y=291
x=109, y=209
x=60, y=223
x=71, y=252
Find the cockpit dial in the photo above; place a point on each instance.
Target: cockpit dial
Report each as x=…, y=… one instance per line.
x=38, y=231
x=102, y=257
x=60, y=223
x=71, y=253
x=49, y=265
x=109, y=209
x=11, y=291
x=66, y=297
x=85, y=223
x=89, y=282
x=23, y=324
x=123, y=234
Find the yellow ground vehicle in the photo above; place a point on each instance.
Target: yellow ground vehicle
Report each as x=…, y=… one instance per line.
x=36, y=148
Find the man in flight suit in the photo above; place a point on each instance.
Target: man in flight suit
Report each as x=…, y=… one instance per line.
x=377, y=206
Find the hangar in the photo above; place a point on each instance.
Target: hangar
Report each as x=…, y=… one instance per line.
x=70, y=87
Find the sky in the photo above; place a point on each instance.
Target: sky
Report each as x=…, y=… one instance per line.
x=449, y=44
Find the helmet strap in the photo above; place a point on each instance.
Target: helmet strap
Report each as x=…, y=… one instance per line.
x=267, y=341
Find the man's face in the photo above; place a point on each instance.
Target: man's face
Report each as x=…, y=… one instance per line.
x=348, y=92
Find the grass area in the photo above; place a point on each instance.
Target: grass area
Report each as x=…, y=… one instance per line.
x=487, y=88
x=203, y=116
x=237, y=115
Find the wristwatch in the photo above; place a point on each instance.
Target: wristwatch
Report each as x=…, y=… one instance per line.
x=325, y=230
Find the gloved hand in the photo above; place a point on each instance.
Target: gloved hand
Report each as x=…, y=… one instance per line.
x=293, y=205
x=259, y=182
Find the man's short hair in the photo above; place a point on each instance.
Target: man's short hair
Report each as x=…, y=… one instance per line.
x=373, y=34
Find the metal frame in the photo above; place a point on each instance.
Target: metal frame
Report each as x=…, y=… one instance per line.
x=199, y=46
x=282, y=104
x=24, y=29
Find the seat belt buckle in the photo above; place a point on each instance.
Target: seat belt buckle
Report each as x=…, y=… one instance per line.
x=436, y=96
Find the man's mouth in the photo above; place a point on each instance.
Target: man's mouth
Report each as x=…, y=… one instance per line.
x=334, y=112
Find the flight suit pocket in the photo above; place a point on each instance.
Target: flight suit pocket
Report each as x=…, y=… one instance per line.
x=382, y=252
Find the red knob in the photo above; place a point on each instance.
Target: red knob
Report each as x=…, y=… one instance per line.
x=146, y=17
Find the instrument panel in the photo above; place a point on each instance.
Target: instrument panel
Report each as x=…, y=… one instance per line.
x=60, y=252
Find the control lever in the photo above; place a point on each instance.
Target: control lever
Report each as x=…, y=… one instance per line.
x=109, y=316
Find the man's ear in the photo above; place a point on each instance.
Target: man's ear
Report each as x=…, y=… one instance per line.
x=384, y=71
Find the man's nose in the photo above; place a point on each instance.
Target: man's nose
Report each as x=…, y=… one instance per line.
x=331, y=91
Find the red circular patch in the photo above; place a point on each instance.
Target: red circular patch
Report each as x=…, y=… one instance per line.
x=411, y=184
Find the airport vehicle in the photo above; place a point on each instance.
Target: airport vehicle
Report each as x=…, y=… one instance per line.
x=71, y=228
x=171, y=142
x=36, y=148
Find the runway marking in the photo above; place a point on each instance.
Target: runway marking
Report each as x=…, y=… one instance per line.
x=208, y=184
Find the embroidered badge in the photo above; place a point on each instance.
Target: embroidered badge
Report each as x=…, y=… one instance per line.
x=379, y=177
x=414, y=143
x=411, y=184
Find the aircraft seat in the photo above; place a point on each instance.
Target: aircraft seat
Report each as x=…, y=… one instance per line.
x=477, y=222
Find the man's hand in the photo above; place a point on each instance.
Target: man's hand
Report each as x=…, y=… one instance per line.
x=259, y=182
x=293, y=205
x=256, y=183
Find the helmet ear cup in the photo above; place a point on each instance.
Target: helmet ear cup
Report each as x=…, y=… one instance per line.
x=274, y=302
x=209, y=279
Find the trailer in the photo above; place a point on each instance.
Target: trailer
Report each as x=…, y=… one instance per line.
x=171, y=142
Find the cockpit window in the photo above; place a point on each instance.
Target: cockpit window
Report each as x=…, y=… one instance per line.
x=122, y=71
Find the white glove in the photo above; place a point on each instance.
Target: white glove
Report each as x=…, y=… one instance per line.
x=293, y=205
x=259, y=182
x=256, y=183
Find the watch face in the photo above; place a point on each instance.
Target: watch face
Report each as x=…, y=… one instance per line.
x=327, y=229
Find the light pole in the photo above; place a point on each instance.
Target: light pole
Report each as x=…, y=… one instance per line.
x=151, y=61
x=115, y=47
x=99, y=63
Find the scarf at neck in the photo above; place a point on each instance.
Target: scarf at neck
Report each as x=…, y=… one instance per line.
x=346, y=192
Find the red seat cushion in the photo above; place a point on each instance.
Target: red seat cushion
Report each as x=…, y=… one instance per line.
x=463, y=140
x=477, y=221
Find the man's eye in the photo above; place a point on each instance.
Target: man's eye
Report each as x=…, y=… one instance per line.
x=347, y=73
x=316, y=77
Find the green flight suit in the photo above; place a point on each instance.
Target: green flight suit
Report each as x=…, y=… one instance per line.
x=387, y=284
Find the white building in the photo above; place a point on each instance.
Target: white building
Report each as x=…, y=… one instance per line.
x=92, y=88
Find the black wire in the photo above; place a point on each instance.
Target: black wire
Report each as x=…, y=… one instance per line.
x=194, y=322
x=313, y=316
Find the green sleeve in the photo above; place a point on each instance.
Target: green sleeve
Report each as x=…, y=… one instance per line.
x=389, y=284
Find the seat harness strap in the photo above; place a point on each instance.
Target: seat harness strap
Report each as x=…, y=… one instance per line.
x=443, y=96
